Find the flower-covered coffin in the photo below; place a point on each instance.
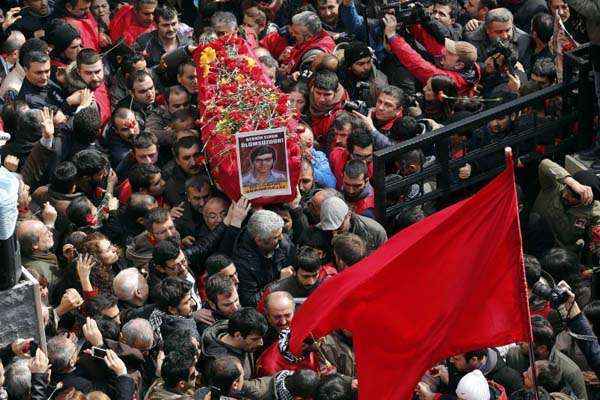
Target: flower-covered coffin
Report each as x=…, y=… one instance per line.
x=236, y=96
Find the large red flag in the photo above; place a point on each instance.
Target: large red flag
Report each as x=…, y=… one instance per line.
x=450, y=284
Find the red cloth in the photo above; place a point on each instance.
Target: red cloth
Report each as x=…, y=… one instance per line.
x=124, y=24
x=220, y=149
x=451, y=283
x=422, y=69
x=271, y=361
x=88, y=29
x=103, y=102
x=337, y=160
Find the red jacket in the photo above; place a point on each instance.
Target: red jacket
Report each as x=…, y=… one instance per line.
x=364, y=206
x=103, y=101
x=271, y=361
x=124, y=24
x=278, y=47
x=88, y=30
x=423, y=69
x=337, y=160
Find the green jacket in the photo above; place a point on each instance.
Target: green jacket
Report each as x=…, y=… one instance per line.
x=572, y=375
x=568, y=224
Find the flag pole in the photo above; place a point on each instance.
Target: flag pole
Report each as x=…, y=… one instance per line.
x=533, y=371
x=509, y=164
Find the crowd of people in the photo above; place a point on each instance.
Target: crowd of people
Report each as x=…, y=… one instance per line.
x=156, y=285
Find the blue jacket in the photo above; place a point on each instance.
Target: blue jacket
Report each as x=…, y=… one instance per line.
x=355, y=23
x=590, y=348
x=322, y=170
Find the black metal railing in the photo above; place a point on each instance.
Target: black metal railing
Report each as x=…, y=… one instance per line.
x=569, y=130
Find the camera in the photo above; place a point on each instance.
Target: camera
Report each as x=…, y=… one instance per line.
x=358, y=106
x=508, y=61
x=408, y=13
x=555, y=295
x=363, y=90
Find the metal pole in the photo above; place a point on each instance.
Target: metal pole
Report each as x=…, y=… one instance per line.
x=533, y=372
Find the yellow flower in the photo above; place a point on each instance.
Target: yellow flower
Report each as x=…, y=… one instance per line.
x=208, y=55
x=205, y=70
x=239, y=77
x=251, y=61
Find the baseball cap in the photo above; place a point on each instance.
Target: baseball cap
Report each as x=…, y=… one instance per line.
x=333, y=212
x=465, y=51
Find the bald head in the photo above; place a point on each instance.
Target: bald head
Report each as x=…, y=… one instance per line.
x=279, y=307
x=34, y=236
x=130, y=285
x=319, y=198
x=138, y=334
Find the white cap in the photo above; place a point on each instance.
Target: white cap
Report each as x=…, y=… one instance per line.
x=333, y=212
x=473, y=386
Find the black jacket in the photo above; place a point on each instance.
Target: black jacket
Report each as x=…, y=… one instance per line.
x=255, y=271
x=150, y=45
x=495, y=369
x=38, y=98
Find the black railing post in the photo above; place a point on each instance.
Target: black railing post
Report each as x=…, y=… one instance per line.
x=442, y=155
x=379, y=187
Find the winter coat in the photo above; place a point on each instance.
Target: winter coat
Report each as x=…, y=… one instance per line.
x=150, y=46
x=124, y=25
x=38, y=98
x=213, y=347
x=369, y=230
x=364, y=204
x=255, y=271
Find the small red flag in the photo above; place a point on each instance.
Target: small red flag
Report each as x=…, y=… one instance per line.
x=450, y=284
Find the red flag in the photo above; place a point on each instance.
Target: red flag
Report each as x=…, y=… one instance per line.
x=450, y=284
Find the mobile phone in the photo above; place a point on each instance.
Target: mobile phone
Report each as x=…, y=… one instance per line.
x=98, y=352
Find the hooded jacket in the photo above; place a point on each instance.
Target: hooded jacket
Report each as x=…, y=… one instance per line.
x=213, y=347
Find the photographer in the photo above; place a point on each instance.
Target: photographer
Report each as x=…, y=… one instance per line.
x=458, y=63
x=366, y=30
x=498, y=25
x=359, y=76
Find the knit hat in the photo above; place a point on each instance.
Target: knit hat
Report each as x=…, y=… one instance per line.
x=61, y=36
x=355, y=51
x=333, y=212
x=465, y=51
x=473, y=386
